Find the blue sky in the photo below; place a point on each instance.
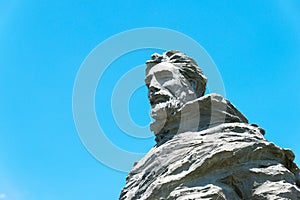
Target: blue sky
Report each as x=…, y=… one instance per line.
x=255, y=45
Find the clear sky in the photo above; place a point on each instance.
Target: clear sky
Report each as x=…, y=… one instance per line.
x=255, y=45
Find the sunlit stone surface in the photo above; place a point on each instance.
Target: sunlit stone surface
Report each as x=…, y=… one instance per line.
x=205, y=147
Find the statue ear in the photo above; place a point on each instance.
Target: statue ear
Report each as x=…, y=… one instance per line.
x=193, y=84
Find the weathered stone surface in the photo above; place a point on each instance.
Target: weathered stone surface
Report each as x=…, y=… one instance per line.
x=229, y=161
x=205, y=147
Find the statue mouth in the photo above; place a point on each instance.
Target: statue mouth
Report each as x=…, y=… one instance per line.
x=158, y=98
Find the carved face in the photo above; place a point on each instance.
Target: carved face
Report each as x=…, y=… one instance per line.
x=165, y=83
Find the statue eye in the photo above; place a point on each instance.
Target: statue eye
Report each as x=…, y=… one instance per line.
x=193, y=83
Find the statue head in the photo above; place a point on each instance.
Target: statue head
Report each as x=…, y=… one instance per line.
x=187, y=67
x=173, y=79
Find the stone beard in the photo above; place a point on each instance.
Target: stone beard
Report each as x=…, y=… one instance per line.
x=205, y=147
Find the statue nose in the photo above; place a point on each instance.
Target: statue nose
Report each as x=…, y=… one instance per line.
x=154, y=86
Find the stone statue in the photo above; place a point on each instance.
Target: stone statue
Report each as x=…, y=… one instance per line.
x=176, y=85
x=205, y=147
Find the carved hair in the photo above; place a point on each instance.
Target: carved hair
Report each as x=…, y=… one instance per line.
x=187, y=67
